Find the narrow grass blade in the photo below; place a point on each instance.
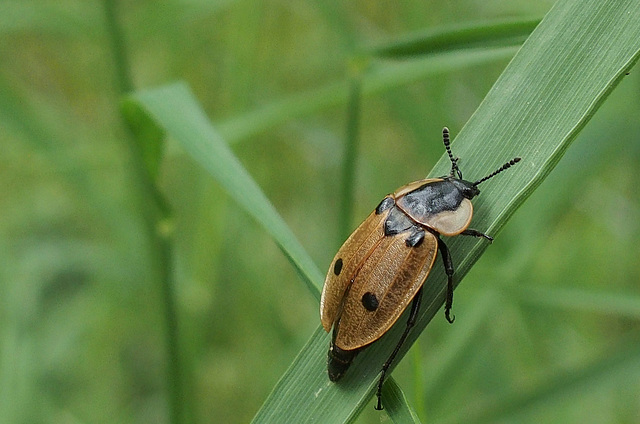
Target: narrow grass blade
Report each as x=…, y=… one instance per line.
x=620, y=365
x=396, y=404
x=176, y=111
x=503, y=33
x=379, y=78
x=493, y=42
x=605, y=303
x=347, y=182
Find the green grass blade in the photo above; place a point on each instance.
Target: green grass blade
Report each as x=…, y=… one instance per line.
x=545, y=96
x=378, y=78
x=493, y=42
x=619, y=366
x=176, y=111
x=626, y=305
x=347, y=182
x=503, y=33
x=396, y=404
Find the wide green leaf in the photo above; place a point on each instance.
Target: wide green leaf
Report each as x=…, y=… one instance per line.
x=549, y=91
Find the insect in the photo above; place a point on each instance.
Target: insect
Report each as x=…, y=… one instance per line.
x=382, y=266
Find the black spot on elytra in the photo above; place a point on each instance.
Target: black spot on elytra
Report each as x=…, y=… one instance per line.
x=337, y=267
x=370, y=301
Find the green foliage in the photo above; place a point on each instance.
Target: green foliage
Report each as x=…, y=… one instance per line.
x=134, y=290
x=179, y=115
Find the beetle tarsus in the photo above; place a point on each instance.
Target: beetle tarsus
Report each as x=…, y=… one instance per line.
x=449, y=302
x=448, y=269
x=447, y=315
x=379, y=407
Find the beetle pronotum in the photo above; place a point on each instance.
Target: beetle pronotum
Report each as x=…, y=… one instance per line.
x=382, y=266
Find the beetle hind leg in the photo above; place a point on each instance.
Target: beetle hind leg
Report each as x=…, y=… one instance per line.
x=413, y=315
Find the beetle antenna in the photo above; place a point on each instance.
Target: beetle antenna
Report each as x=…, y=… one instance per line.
x=496, y=172
x=447, y=146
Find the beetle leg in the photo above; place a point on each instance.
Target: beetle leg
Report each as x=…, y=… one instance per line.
x=413, y=315
x=476, y=233
x=448, y=269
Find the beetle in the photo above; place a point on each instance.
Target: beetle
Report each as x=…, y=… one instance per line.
x=382, y=266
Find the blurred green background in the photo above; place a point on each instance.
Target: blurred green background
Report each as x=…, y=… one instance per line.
x=548, y=320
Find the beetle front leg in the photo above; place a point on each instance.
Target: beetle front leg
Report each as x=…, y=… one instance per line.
x=448, y=269
x=476, y=233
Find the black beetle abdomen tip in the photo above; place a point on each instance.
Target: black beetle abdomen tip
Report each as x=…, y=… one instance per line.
x=339, y=361
x=334, y=375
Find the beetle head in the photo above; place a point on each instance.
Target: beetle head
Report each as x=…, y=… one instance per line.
x=467, y=188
